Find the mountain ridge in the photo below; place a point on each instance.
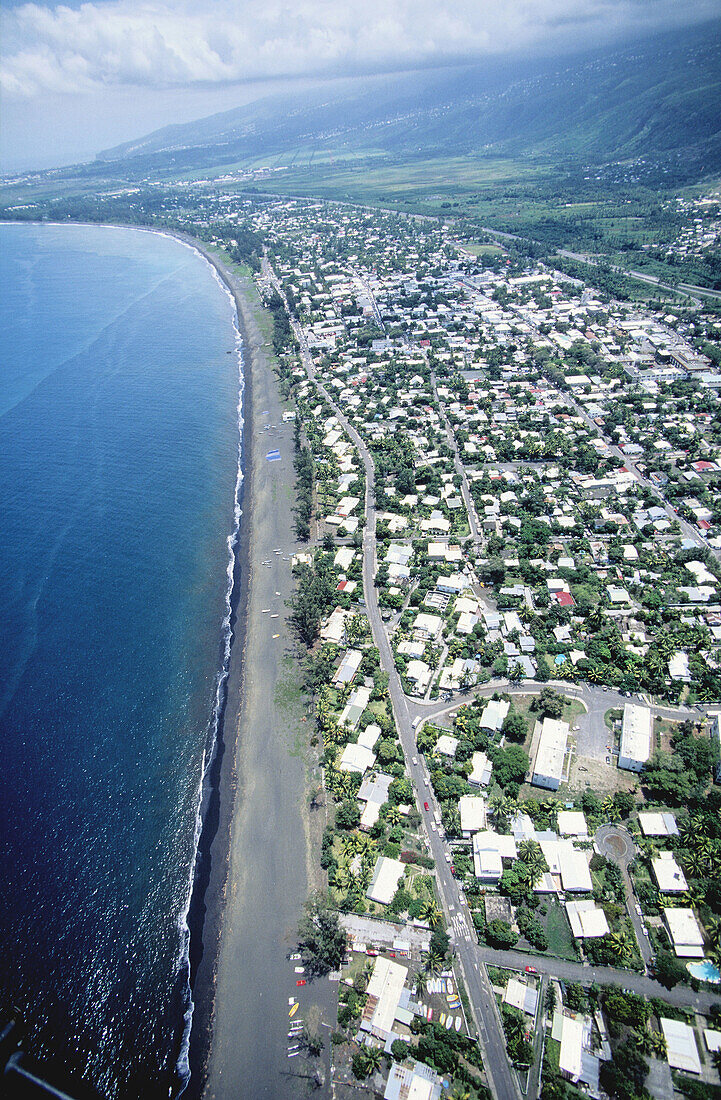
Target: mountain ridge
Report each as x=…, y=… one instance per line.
x=659, y=97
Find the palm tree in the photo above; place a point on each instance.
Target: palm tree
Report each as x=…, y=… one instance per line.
x=551, y=806
x=393, y=815
x=620, y=945
x=515, y=1027
x=371, y=1059
x=693, y=862
x=657, y=1044
x=611, y=809
x=642, y=1041
x=533, y=859
x=693, y=827
x=421, y=984
x=502, y=806
x=713, y=929
x=430, y=913
x=434, y=962
x=342, y=878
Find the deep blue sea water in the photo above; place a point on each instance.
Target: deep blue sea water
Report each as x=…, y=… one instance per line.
x=119, y=443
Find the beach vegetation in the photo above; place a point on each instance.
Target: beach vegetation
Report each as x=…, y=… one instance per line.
x=305, y=480
x=322, y=941
x=366, y=1061
x=312, y=601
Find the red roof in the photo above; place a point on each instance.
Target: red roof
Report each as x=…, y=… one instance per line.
x=565, y=599
x=704, y=465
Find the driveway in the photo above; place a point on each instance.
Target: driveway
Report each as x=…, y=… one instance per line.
x=616, y=844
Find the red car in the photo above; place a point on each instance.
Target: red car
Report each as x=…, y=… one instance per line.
x=426, y=806
x=531, y=970
x=301, y=981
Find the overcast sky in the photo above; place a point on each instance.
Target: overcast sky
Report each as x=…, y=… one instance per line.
x=77, y=77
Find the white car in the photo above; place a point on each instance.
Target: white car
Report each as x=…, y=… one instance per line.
x=414, y=761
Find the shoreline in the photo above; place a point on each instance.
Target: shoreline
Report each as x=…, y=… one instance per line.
x=220, y=784
x=243, y=918
x=252, y=812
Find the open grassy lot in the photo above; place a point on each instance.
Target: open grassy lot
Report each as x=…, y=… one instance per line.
x=560, y=940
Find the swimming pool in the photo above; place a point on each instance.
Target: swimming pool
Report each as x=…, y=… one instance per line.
x=705, y=971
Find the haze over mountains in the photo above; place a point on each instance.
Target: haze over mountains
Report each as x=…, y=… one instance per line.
x=660, y=98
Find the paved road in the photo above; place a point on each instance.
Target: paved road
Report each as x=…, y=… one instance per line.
x=460, y=469
x=681, y=995
x=616, y=843
x=687, y=289
x=501, y=1077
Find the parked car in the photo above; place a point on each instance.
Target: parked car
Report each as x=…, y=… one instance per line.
x=531, y=970
x=427, y=807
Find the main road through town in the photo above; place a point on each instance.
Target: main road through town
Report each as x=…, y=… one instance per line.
x=501, y=1077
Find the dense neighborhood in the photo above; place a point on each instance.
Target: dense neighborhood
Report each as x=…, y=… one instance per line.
x=527, y=472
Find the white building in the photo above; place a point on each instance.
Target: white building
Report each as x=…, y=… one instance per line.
x=681, y=1049
x=472, y=809
x=427, y=626
x=481, y=768
x=552, y=737
x=670, y=879
x=569, y=863
x=384, y=995
x=572, y=823
x=357, y=758
x=494, y=714
x=419, y=674
x=348, y=667
x=416, y=1083
x=489, y=849
x=570, y=1055
x=636, y=737
x=357, y=702
x=333, y=630
x=521, y=996
x=386, y=876
x=446, y=745
x=586, y=919
x=373, y=792
x=685, y=932
x=658, y=824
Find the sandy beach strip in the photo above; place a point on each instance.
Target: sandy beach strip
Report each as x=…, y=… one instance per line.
x=256, y=864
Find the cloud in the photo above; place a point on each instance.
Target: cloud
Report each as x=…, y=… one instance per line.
x=201, y=42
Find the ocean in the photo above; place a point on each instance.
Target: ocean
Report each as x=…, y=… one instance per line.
x=120, y=425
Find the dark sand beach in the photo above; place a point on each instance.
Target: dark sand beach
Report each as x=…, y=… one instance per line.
x=255, y=849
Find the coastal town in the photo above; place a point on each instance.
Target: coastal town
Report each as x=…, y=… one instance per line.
x=508, y=577
x=360, y=407
x=506, y=613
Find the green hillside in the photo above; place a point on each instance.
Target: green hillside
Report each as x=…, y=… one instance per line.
x=661, y=99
